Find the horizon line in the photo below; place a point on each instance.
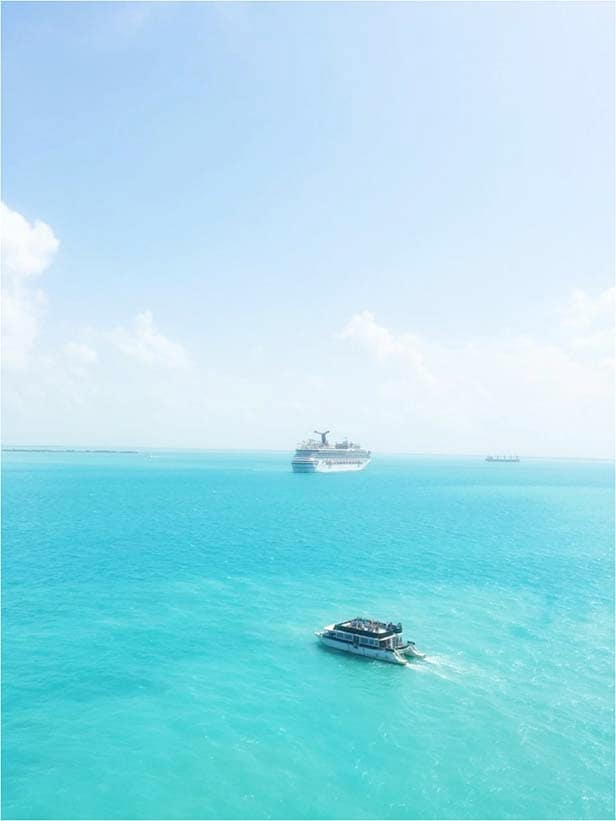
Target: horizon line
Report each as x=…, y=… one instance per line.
x=139, y=449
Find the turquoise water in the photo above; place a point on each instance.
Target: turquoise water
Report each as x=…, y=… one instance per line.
x=159, y=658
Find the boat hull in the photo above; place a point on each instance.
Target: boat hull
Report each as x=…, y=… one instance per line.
x=389, y=656
x=326, y=466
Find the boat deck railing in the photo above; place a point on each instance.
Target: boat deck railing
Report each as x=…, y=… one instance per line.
x=370, y=626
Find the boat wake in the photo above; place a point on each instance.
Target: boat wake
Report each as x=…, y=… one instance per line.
x=440, y=666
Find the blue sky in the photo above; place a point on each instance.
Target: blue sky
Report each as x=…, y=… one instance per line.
x=395, y=220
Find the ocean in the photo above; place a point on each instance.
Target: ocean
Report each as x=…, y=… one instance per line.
x=159, y=658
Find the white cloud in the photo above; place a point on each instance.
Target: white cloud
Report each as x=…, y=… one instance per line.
x=583, y=311
x=27, y=250
x=146, y=344
x=80, y=354
x=71, y=392
x=384, y=345
x=588, y=325
x=549, y=395
x=79, y=358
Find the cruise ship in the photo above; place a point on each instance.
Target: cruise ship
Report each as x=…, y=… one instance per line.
x=366, y=637
x=314, y=456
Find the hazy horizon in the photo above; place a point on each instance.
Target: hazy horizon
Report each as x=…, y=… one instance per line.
x=144, y=449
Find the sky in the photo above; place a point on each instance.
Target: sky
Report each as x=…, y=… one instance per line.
x=228, y=224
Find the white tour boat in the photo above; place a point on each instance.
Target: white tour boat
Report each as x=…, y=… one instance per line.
x=366, y=637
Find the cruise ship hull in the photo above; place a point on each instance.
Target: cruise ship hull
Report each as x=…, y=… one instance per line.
x=326, y=466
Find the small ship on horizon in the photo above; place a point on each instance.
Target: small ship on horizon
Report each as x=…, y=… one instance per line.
x=509, y=458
